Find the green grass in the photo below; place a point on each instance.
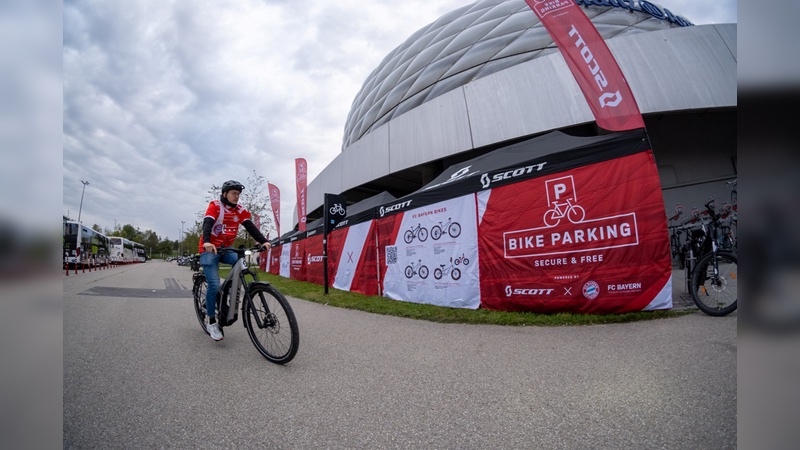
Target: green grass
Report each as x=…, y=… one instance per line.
x=382, y=305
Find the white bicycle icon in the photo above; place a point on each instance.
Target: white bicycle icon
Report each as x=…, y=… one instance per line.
x=574, y=213
x=337, y=209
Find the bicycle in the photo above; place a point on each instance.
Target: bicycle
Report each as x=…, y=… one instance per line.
x=574, y=213
x=451, y=228
x=418, y=232
x=454, y=272
x=714, y=279
x=194, y=263
x=414, y=269
x=462, y=260
x=675, y=238
x=267, y=315
x=337, y=209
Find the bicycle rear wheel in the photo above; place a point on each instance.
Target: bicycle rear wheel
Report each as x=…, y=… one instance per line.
x=716, y=295
x=271, y=324
x=199, y=288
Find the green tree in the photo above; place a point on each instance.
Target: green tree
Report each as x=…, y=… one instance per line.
x=164, y=248
x=130, y=233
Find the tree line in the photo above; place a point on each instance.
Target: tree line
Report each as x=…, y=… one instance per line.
x=255, y=198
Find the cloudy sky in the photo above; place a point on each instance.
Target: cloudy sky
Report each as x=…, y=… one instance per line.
x=162, y=99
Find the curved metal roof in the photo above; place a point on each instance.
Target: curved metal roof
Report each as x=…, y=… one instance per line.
x=466, y=44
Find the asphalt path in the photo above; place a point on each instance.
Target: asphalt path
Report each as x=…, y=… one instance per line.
x=140, y=373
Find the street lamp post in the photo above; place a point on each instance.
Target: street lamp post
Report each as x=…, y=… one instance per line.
x=182, y=237
x=81, y=207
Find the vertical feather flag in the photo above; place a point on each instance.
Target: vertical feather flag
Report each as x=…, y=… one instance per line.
x=301, y=176
x=592, y=64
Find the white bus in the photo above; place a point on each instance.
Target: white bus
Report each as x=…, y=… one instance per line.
x=84, y=245
x=121, y=250
x=139, y=253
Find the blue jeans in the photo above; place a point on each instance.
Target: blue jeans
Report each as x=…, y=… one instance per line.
x=210, y=263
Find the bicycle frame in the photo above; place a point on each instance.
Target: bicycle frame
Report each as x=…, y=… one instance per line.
x=233, y=283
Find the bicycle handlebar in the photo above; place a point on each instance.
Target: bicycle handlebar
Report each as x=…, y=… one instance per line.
x=241, y=249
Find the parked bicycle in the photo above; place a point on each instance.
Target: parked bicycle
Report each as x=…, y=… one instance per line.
x=418, y=232
x=451, y=228
x=714, y=279
x=194, y=263
x=267, y=315
x=727, y=234
x=676, y=248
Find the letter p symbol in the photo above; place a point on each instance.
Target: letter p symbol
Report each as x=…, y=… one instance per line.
x=559, y=189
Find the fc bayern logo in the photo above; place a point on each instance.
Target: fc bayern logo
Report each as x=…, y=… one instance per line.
x=591, y=290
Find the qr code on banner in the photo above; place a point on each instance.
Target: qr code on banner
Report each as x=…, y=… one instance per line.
x=391, y=254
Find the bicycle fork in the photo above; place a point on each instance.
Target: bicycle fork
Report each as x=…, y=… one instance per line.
x=269, y=319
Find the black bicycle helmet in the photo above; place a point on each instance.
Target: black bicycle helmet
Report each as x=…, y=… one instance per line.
x=232, y=184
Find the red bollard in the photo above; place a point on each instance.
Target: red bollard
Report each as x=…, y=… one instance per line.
x=66, y=266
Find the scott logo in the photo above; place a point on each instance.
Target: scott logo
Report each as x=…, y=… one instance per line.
x=610, y=99
x=527, y=291
x=487, y=180
x=606, y=99
x=394, y=207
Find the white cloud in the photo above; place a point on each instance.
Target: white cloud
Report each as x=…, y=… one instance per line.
x=162, y=99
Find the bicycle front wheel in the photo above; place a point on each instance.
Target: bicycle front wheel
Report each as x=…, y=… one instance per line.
x=716, y=294
x=199, y=288
x=271, y=324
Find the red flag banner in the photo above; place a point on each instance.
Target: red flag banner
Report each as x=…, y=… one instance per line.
x=301, y=176
x=598, y=75
x=275, y=201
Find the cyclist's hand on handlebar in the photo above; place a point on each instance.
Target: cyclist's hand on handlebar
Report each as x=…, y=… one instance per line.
x=209, y=247
x=266, y=246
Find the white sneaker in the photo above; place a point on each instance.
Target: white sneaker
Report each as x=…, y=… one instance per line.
x=214, y=331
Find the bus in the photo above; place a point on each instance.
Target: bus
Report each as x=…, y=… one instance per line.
x=139, y=253
x=121, y=250
x=83, y=245
x=125, y=251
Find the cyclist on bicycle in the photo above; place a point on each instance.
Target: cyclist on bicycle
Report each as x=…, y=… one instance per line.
x=220, y=225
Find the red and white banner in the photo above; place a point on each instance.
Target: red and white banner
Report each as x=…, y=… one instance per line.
x=275, y=202
x=297, y=260
x=588, y=240
x=284, y=261
x=349, y=247
x=591, y=62
x=301, y=177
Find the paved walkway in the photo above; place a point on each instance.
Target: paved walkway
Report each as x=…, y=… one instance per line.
x=140, y=373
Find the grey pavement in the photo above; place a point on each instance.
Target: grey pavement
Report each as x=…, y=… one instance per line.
x=139, y=372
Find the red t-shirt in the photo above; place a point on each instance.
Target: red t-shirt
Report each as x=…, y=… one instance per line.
x=226, y=223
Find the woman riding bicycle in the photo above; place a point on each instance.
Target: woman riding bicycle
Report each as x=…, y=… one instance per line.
x=220, y=226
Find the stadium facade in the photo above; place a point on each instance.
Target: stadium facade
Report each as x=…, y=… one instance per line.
x=488, y=75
